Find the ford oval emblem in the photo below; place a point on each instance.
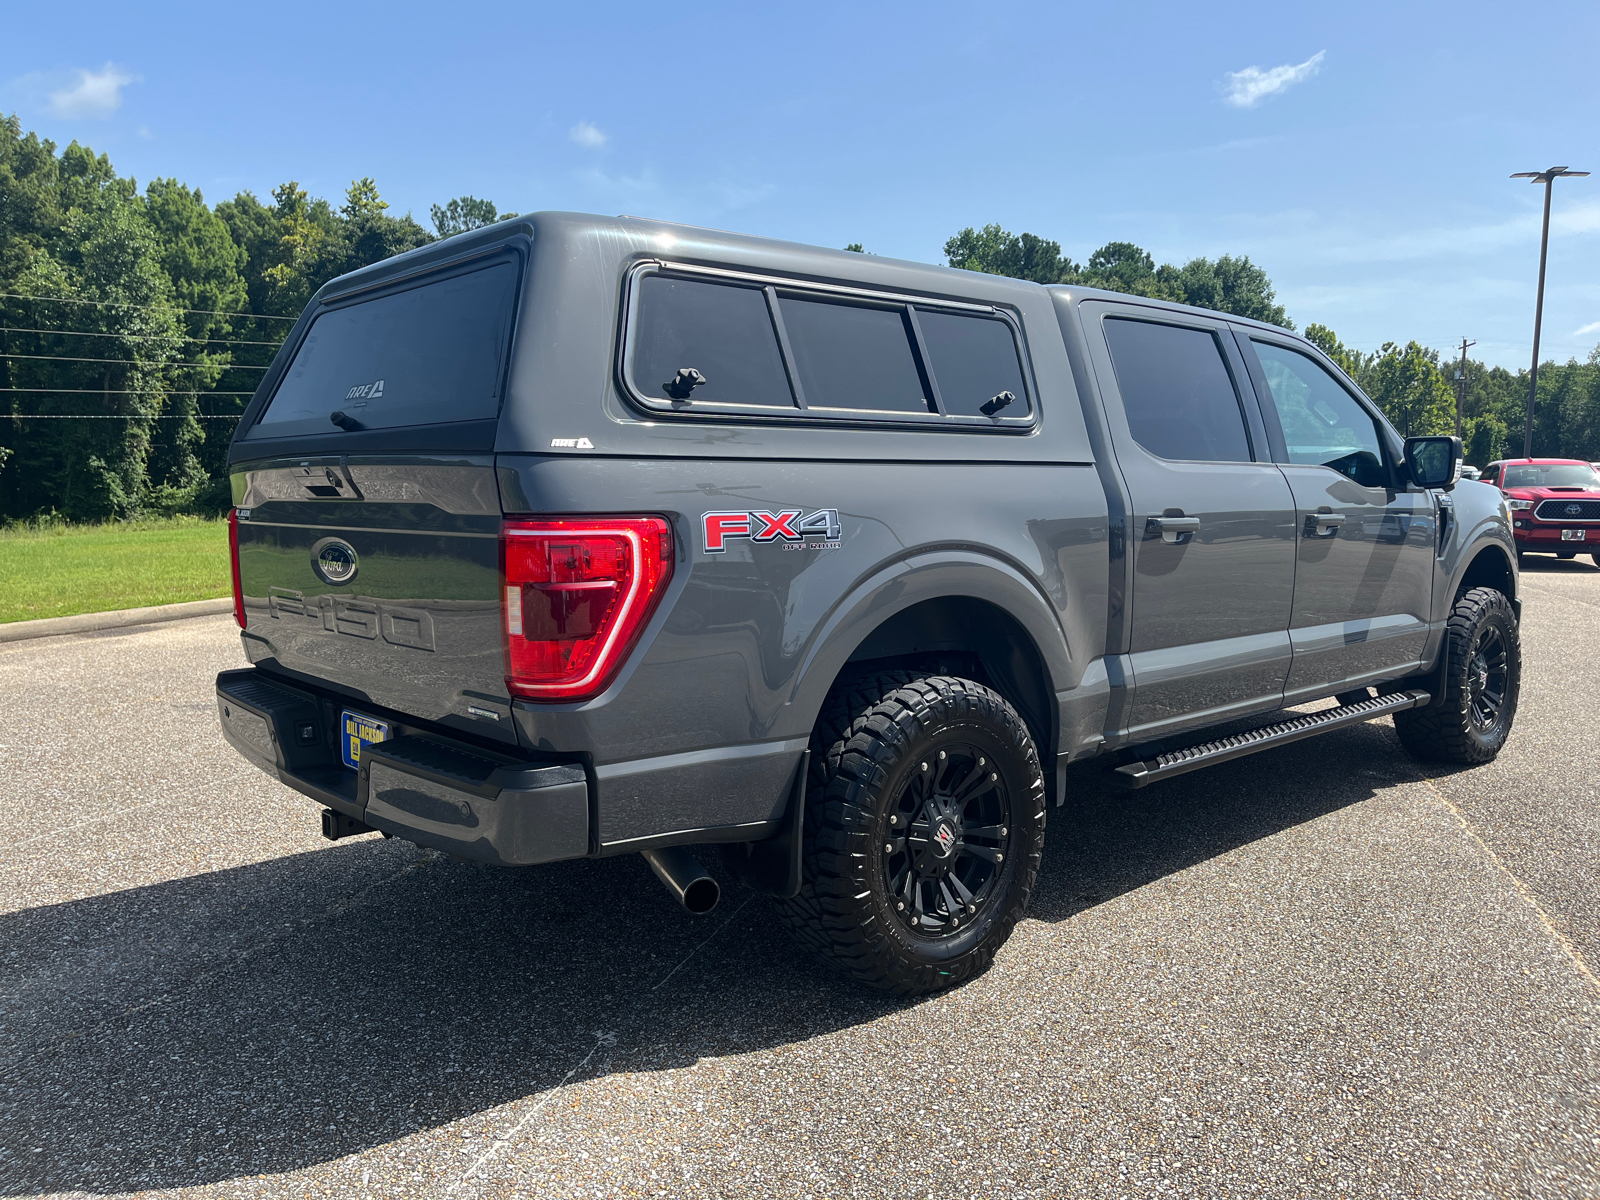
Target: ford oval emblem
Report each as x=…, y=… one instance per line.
x=334, y=560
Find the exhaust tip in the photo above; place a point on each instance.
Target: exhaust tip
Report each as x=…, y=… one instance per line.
x=681, y=872
x=701, y=896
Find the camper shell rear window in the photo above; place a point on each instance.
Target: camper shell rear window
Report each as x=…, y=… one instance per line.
x=708, y=343
x=429, y=351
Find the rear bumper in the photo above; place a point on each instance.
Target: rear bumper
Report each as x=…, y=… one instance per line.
x=422, y=786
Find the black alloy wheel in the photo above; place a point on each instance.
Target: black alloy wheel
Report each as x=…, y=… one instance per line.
x=949, y=831
x=1488, y=676
x=924, y=827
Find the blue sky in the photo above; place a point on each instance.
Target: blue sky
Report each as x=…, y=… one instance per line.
x=1359, y=153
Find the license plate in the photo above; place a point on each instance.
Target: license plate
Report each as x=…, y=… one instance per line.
x=1573, y=535
x=359, y=731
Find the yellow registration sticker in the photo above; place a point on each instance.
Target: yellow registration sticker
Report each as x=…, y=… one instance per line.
x=360, y=731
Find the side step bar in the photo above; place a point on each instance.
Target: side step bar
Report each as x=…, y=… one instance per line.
x=1192, y=758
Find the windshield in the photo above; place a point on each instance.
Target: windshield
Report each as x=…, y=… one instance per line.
x=1557, y=475
x=430, y=353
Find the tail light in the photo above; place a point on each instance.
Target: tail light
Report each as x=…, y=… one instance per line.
x=233, y=553
x=577, y=593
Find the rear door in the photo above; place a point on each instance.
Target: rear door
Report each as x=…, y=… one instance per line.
x=369, y=560
x=1212, y=526
x=1365, y=544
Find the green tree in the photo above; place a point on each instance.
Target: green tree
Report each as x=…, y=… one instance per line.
x=996, y=252
x=464, y=213
x=1405, y=381
x=1229, y=284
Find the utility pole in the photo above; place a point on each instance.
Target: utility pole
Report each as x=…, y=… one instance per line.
x=1548, y=178
x=1461, y=381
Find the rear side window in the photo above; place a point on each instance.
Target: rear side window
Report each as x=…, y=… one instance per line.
x=724, y=333
x=853, y=357
x=975, y=361
x=1177, y=391
x=725, y=344
x=431, y=353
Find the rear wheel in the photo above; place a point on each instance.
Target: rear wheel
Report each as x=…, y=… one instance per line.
x=925, y=822
x=1483, y=677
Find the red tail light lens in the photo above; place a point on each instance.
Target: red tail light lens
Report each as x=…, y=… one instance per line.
x=577, y=593
x=233, y=553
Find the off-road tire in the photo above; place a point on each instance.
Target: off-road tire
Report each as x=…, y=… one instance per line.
x=1452, y=731
x=1595, y=555
x=867, y=751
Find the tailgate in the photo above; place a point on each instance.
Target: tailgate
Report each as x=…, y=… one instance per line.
x=381, y=577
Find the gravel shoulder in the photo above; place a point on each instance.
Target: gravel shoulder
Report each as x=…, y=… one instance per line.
x=1321, y=971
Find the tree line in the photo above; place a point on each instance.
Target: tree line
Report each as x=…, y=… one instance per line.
x=135, y=323
x=1413, y=384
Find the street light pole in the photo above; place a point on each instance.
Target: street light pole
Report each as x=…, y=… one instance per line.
x=1547, y=178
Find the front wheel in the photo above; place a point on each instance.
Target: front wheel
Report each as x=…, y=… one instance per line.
x=925, y=822
x=1483, y=677
x=1596, y=556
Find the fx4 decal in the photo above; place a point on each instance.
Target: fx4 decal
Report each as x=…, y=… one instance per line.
x=791, y=527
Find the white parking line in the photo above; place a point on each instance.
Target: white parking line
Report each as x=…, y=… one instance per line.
x=1523, y=890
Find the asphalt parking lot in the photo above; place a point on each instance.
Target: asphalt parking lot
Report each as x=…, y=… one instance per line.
x=1315, y=972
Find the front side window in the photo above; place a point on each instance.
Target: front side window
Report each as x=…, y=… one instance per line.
x=720, y=331
x=1177, y=391
x=431, y=353
x=1323, y=425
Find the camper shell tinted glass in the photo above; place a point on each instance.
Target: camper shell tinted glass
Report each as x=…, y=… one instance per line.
x=428, y=351
x=709, y=343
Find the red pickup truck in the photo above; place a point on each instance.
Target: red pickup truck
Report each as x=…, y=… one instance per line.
x=1554, y=502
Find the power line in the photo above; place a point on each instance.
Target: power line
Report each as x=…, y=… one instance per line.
x=213, y=312
x=142, y=337
x=133, y=362
x=124, y=391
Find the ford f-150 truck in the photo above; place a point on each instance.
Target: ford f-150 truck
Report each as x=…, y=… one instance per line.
x=578, y=536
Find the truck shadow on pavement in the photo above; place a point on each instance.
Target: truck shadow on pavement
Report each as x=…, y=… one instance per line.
x=275, y=1016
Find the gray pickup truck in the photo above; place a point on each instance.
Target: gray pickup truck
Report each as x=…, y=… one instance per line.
x=578, y=536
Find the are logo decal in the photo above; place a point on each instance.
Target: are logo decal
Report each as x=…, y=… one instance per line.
x=366, y=391
x=578, y=443
x=791, y=528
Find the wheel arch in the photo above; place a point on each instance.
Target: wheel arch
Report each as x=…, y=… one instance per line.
x=1489, y=566
x=950, y=609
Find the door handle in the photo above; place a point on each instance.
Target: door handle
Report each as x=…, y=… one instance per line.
x=1323, y=524
x=1175, y=531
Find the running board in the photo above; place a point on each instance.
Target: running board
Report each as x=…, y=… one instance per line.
x=1192, y=758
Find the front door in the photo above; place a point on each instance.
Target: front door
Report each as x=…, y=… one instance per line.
x=1211, y=529
x=1366, y=542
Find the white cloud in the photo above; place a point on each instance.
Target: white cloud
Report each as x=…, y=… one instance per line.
x=1585, y=331
x=586, y=134
x=94, y=94
x=1249, y=87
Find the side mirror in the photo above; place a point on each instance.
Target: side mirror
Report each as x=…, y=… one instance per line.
x=1434, y=462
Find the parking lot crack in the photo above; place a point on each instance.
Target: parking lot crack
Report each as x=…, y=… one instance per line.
x=604, y=1039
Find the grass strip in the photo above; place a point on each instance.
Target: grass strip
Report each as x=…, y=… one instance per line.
x=60, y=570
